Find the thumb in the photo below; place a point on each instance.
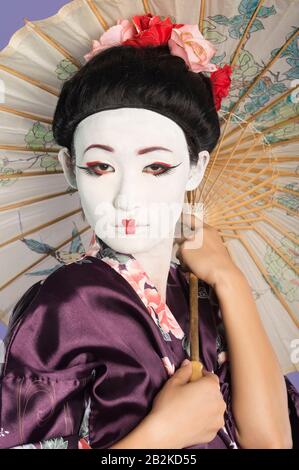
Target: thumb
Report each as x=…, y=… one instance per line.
x=211, y=375
x=183, y=374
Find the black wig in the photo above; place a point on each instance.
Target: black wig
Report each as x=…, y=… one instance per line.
x=146, y=77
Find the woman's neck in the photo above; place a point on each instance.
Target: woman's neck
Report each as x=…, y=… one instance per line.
x=156, y=263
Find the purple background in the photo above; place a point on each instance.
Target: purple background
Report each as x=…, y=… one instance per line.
x=11, y=20
x=13, y=12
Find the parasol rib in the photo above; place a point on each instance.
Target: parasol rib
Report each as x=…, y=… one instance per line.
x=202, y=14
x=32, y=174
x=37, y=30
x=40, y=227
x=33, y=200
x=24, y=114
x=23, y=148
x=30, y=80
x=146, y=6
x=244, y=37
x=95, y=10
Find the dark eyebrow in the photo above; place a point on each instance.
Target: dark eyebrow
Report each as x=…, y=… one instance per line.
x=139, y=152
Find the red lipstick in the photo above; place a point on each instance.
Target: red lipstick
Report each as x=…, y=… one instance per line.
x=129, y=225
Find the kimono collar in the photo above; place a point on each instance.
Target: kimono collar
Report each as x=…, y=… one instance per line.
x=128, y=267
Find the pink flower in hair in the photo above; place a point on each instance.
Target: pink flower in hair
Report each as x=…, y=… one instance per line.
x=188, y=43
x=114, y=36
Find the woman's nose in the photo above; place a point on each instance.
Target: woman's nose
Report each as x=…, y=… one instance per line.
x=128, y=197
x=125, y=202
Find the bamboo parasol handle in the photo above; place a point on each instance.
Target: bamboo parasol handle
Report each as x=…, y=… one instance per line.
x=197, y=366
x=196, y=371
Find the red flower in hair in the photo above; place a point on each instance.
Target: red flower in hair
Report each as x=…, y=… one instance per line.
x=151, y=31
x=221, y=81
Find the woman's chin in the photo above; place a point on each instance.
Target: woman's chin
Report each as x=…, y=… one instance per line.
x=131, y=243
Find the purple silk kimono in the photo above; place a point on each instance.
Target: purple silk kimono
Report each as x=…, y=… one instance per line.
x=90, y=347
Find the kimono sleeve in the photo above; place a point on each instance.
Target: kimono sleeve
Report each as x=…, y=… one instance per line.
x=44, y=375
x=120, y=398
x=67, y=350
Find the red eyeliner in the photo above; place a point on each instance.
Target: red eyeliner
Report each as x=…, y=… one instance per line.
x=93, y=163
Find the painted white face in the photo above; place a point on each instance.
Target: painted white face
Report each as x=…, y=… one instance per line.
x=132, y=171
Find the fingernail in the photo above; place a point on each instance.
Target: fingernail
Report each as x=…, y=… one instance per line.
x=185, y=362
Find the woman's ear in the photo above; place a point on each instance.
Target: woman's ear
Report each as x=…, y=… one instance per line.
x=68, y=168
x=197, y=171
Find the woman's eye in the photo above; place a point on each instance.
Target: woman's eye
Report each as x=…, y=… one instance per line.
x=97, y=169
x=157, y=169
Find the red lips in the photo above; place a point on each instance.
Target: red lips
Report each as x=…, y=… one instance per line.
x=129, y=225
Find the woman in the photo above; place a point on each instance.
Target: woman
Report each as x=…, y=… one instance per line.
x=95, y=350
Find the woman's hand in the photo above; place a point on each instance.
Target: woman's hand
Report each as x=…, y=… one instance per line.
x=183, y=414
x=187, y=413
x=204, y=254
